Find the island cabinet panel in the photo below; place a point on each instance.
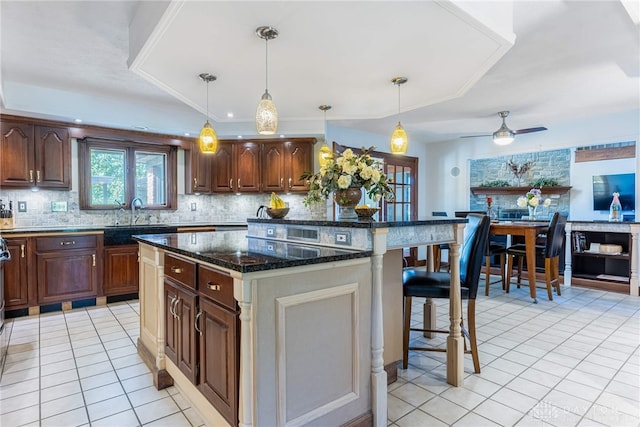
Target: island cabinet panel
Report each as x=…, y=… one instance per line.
x=16, y=292
x=68, y=267
x=180, y=333
x=121, y=271
x=35, y=156
x=219, y=358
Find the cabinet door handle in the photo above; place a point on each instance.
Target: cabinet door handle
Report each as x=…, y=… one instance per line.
x=290, y=181
x=30, y=175
x=195, y=324
x=176, y=270
x=68, y=242
x=173, y=300
x=37, y=176
x=281, y=182
x=21, y=251
x=175, y=308
x=195, y=182
x=238, y=187
x=231, y=184
x=93, y=257
x=213, y=286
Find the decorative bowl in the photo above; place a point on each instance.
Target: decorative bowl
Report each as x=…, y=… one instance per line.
x=366, y=212
x=277, y=212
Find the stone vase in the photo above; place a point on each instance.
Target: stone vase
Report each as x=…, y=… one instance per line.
x=347, y=199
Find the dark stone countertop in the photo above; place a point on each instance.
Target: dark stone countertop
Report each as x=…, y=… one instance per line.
x=235, y=251
x=359, y=223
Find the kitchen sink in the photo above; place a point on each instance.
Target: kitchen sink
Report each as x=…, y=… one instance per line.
x=121, y=234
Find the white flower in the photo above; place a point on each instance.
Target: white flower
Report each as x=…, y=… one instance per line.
x=344, y=181
x=547, y=203
x=348, y=153
x=375, y=176
x=349, y=168
x=534, y=202
x=521, y=202
x=366, y=173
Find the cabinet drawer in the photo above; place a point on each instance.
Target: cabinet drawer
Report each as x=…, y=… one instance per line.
x=56, y=243
x=216, y=285
x=180, y=270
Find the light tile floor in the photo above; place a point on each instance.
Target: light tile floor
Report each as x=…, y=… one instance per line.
x=572, y=361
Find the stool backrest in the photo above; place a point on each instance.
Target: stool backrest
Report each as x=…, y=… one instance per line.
x=555, y=236
x=472, y=251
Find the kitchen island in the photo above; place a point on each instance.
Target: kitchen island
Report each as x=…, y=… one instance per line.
x=294, y=297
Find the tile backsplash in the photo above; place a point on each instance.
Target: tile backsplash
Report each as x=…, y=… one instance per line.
x=209, y=209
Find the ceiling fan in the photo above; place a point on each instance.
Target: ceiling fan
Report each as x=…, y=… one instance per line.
x=504, y=135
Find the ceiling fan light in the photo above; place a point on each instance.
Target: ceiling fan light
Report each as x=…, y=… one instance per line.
x=208, y=139
x=503, y=136
x=399, y=140
x=266, y=115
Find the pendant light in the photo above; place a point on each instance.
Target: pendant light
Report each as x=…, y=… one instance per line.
x=504, y=135
x=208, y=138
x=266, y=114
x=399, y=139
x=324, y=155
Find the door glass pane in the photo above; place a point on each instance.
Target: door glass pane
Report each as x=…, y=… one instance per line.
x=107, y=177
x=151, y=178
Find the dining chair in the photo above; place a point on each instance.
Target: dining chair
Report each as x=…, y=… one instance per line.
x=551, y=251
x=437, y=249
x=418, y=283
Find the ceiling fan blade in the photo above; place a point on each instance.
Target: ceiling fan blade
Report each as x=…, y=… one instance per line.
x=474, y=136
x=529, y=130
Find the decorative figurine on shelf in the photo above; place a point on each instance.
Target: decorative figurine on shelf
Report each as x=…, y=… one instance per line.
x=490, y=212
x=615, y=210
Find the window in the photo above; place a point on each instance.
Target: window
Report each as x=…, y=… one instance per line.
x=114, y=172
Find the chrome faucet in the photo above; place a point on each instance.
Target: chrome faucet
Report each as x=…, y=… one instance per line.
x=135, y=204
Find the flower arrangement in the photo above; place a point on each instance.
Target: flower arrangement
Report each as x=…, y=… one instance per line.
x=349, y=170
x=533, y=199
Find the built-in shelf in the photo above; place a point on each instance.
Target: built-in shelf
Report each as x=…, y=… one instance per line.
x=496, y=191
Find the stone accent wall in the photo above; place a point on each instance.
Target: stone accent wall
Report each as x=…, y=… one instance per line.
x=546, y=164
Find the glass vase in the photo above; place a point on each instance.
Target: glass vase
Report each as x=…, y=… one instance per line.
x=347, y=199
x=533, y=212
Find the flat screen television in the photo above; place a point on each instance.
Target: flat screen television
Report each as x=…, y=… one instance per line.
x=605, y=185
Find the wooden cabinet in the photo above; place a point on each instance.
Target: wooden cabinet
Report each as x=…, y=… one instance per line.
x=219, y=326
x=256, y=166
x=68, y=267
x=608, y=271
x=16, y=292
x=180, y=333
x=35, y=156
x=121, y=273
x=198, y=171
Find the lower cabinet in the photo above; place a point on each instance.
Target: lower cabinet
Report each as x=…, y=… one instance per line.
x=121, y=273
x=219, y=358
x=202, y=332
x=16, y=291
x=67, y=267
x=181, y=343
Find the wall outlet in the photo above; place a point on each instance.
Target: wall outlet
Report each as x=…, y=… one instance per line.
x=271, y=231
x=193, y=206
x=343, y=238
x=22, y=206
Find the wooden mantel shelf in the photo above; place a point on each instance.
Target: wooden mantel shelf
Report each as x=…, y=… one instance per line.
x=497, y=191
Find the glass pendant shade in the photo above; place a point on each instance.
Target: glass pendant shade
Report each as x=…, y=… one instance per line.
x=324, y=155
x=266, y=116
x=399, y=140
x=208, y=139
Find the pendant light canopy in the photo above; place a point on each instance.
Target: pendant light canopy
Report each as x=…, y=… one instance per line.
x=266, y=114
x=399, y=139
x=324, y=155
x=504, y=135
x=208, y=138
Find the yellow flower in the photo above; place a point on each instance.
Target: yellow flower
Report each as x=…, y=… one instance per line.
x=344, y=181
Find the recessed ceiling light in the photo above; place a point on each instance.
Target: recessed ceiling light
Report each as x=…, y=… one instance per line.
x=187, y=134
x=78, y=120
x=239, y=136
x=281, y=136
x=141, y=127
x=230, y=115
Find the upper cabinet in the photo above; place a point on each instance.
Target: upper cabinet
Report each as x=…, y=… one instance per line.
x=35, y=156
x=251, y=166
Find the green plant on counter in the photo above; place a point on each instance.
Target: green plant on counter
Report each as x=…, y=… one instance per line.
x=496, y=183
x=544, y=182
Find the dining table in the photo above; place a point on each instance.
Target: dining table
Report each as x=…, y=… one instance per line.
x=530, y=231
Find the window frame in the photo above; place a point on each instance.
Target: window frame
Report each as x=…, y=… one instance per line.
x=84, y=168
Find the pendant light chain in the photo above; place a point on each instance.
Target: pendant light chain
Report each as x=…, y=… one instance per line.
x=399, y=139
x=266, y=64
